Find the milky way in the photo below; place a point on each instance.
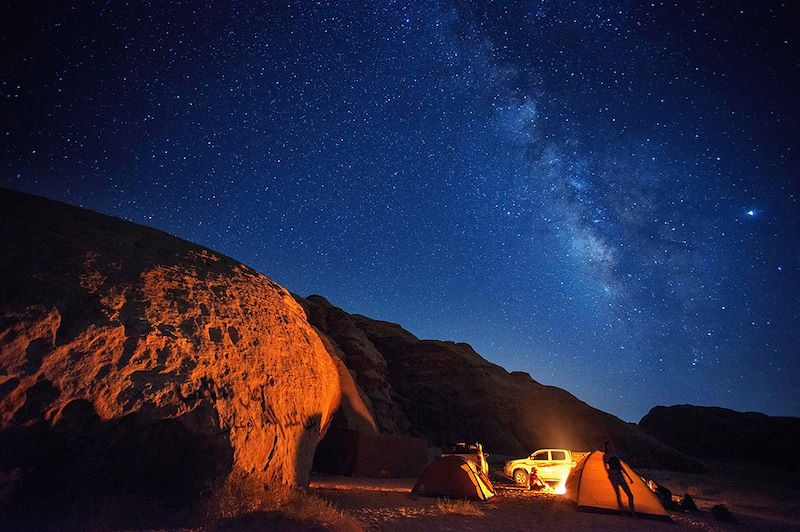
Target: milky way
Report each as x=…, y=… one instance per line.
x=605, y=197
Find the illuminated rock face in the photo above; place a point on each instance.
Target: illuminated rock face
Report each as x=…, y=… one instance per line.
x=447, y=392
x=363, y=359
x=134, y=361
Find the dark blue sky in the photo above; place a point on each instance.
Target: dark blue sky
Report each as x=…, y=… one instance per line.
x=605, y=196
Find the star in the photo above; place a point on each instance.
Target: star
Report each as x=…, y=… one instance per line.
x=454, y=155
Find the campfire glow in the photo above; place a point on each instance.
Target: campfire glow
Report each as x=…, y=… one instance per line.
x=558, y=489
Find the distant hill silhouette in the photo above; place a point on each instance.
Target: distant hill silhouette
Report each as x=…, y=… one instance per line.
x=720, y=433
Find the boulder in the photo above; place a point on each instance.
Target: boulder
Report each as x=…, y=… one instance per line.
x=135, y=365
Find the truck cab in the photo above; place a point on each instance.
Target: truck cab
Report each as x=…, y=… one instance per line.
x=550, y=465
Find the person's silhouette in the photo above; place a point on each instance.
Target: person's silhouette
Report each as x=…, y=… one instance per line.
x=617, y=475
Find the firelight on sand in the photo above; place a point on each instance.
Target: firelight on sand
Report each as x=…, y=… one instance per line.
x=559, y=489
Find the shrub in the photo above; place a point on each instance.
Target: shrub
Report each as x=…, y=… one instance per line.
x=460, y=507
x=247, y=502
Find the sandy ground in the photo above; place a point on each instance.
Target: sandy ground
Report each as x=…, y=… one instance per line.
x=388, y=505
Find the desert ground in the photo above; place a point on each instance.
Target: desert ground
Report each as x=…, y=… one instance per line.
x=767, y=500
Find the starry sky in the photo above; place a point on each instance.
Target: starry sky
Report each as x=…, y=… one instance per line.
x=604, y=195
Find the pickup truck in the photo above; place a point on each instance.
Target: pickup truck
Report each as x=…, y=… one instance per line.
x=550, y=465
x=472, y=452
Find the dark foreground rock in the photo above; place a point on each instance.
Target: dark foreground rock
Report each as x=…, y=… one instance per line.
x=446, y=392
x=720, y=433
x=135, y=366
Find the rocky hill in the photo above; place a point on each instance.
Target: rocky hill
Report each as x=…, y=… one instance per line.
x=720, y=433
x=137, y=366
x=140, y=370
x=446, y=392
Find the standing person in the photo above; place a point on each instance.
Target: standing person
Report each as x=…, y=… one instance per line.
x=483, y=465
x=617, y=475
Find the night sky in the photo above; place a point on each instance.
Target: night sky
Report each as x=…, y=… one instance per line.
x=604, y=196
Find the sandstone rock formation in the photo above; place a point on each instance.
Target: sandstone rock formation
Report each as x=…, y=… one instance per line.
x=355, y=410
x=720, y=433
x=133, y=363
x=362, y=358
x=447, y=392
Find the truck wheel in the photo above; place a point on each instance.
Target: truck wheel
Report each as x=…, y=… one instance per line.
x=520, y=476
